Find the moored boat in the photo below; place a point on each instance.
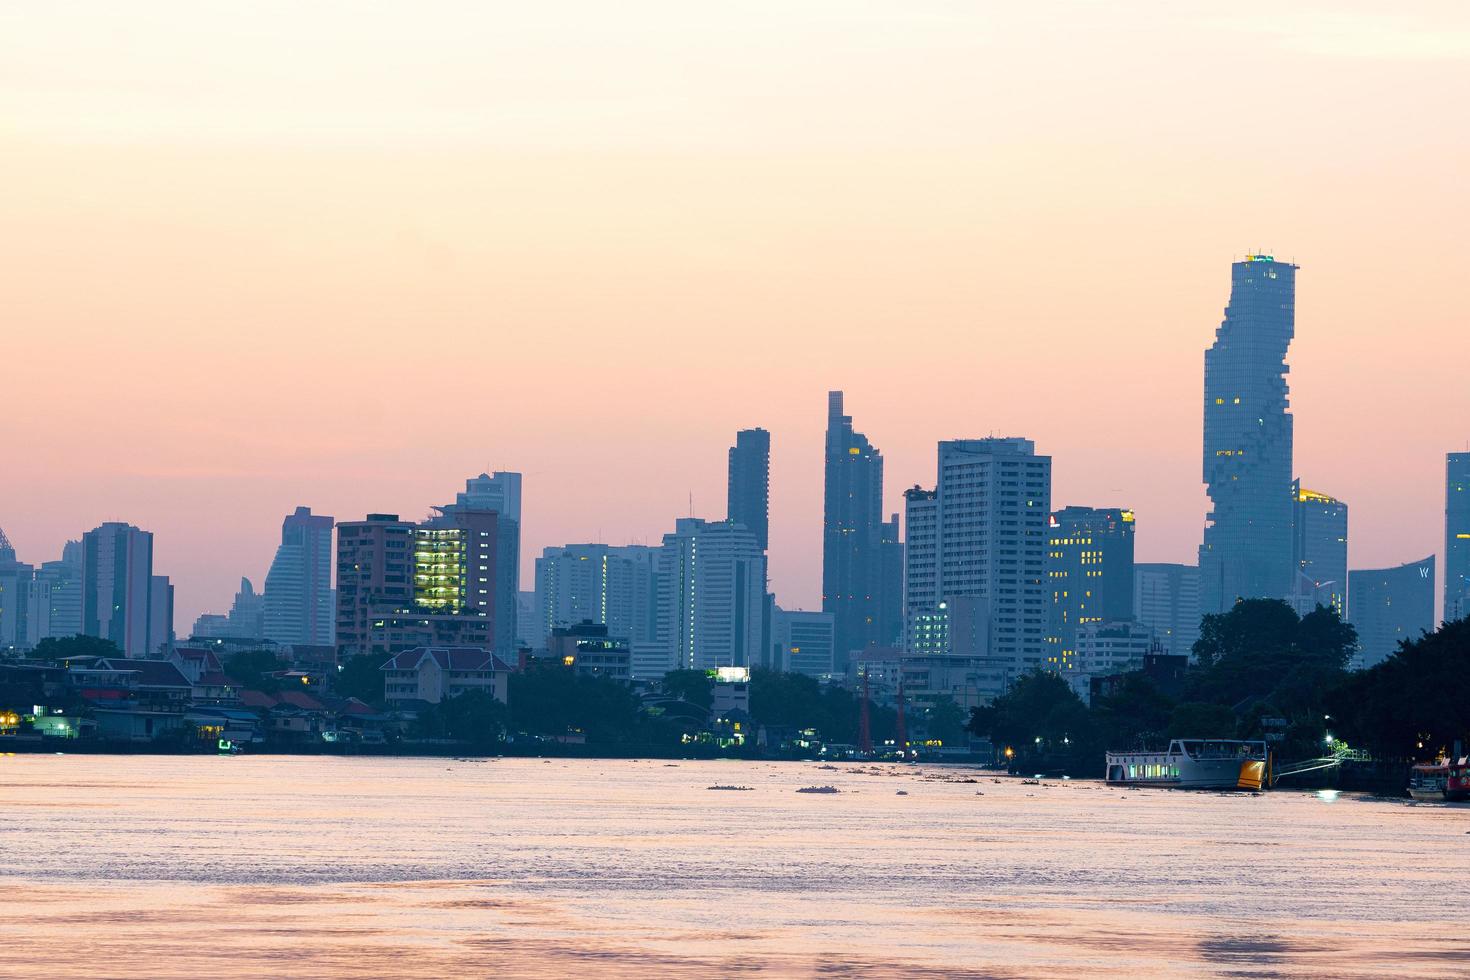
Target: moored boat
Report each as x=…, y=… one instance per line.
x=1194, y=763
x=1430, y=781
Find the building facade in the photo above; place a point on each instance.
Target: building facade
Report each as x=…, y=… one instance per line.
x=1319, y=548
x=852, y=532
x=801, y=642
x=1388, y=606
x=434, y=674
x=117, y=587
x=749, y=489
x=1457, y=536
x=298, y=607
x=1089, y=575
x=374, y=577
x=1247, y=548
x=1166, y=601
x=711, y=583
x=615, y=586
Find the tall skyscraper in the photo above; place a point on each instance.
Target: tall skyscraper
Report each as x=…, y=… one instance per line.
x=298, y=588
x=56, y=596
x=1089, y=575
x=117, y=586
x=712, y=578
x=1248, y=440
x=750, y=483
x=613, y=586
x=1388, y=605
x=982, y=535
x=1319, y=549
x=1457, y=536
x=160, y=616
x=501, y=493
x=246, y=620
x=16, y=578
x=852, y=533
x=1166, y=600
x=890, y=590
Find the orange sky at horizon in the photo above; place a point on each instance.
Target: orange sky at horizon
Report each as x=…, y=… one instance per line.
x=347, y=255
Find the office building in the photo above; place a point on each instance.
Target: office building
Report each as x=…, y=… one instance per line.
x=1247, y=548
x=1089, y=575
x=160, y=616
x=529, y=634
x=589, y=649
x=117, y=587
x=801, y=642
x=298, y=608
x=1319, y=549
x=1388, y=606
x=982, y=535
x=749, y=490
x=374, y=576
x=1166, y=601
x=501, y=493
x=55, y=608
x=711, y=587
x=852, y=532
x=1112, y=647
x=15, y=597
x=615, y=586
x=890, y=589
x=1457, y=536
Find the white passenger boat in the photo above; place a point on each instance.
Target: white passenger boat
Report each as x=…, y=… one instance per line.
x=1194, y=763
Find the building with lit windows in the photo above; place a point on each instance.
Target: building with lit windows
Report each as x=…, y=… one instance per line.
x=982, y=535
x=1388, y=606
x=749, y=488
x=499, y=492
x=801, y=642
x=852, y=533
x=711, y=587
x=614, y=586
x=1166, y=601
x=434, y=674
x=1247, y=548
x=1457, y=536
x=1319, y=550
x=1089, y=575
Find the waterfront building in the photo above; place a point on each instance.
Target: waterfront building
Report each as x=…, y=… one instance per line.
x=1247, y=548
x=117, y=586
x=1319, y=548
x=616, y=586
x=433, y=674
x=711, y=588
x=1457, y=536
x=590, y=649
x=1388, y=606
x=298, y=607
x=1166, y=601
x=1089, y=575
x=801, y=642
x=852, y=532
x=981, y=534
x=749, y=490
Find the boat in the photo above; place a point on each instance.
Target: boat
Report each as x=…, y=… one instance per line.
x=1429, y=782
x=819, y=789
x=1194, y=763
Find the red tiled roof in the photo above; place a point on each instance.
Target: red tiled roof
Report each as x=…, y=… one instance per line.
x=449, y=658
x=257, y=699
x=300, y=699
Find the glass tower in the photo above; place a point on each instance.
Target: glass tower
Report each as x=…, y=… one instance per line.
x=1457, y=536
x=750, y=483
x=1247, y=549
x=852, y=534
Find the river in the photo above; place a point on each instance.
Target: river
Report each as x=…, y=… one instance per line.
x=165, y=866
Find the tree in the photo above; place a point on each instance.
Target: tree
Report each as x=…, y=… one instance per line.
x=693, y=686
x=1135, y=714
x=252, y=670
x=548, y=698
x=945, y=721
x=361, y=677
x=1195, y=719
x=57, y=649
x=474, y=717
x=1043, y=721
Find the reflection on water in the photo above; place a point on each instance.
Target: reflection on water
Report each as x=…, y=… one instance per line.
x=186, y=867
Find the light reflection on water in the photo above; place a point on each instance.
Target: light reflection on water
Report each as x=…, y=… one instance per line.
x=268, y=866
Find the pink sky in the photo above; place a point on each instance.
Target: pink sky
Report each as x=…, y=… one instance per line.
x=346, y=255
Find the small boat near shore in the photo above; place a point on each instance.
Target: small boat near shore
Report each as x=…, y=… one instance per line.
x=1443, y=781
x=1194, y=763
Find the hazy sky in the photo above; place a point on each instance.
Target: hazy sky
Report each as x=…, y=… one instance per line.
x=348, y=254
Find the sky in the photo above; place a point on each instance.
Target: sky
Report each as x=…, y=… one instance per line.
x=348, y=254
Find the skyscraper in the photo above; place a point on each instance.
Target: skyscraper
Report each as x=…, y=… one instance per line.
x=1319, y=549
x=982, y=535
x=1089, y=575
x=16, y=579
x=1457, y=536
x=117, y=586
x=1247, y=547
x=598, y=583
x=852, y=533
x=160, y=616
x=56, y=596
x=750, y=483
x=712, y=578
x=1166, y=600
x=298, y=587
x=501, y=493
x=1388, y=605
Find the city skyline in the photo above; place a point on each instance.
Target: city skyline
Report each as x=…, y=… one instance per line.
x=255, y=280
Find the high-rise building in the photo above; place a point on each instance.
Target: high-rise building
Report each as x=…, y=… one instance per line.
x=462, y=566
x=1457, y=536
x=501, y=493
x=1319, y=548
x=16, y=579
x=55, y=608
x=852, y=533
x=596, y=583
x=160, y=616
x=1089, y=575
x=982, y=534
x=246, y=620
x=750, y=483
x=374, y=573
x=1166, y=600
x=711, y=586
x=1389, y=605
x=801, y=642
x=298, y=605
x=529, y=635
x=890, y=588
x=1248, y=440
x=117, y=586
